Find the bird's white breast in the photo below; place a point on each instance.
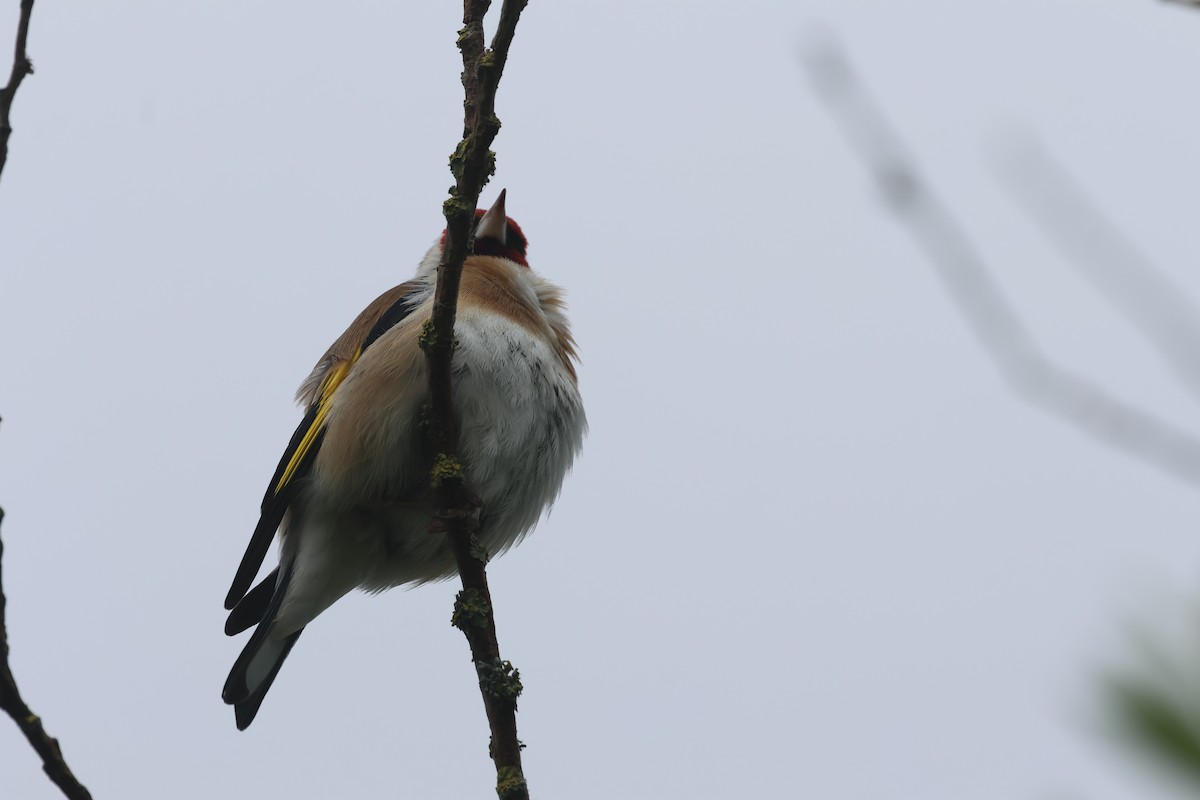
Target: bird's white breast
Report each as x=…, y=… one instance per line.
x=521, y=421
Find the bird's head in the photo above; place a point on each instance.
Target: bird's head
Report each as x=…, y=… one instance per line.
x=497, y=234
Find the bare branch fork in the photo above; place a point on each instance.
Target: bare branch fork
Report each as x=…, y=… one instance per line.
x=21, y=67
x=968, y=280
x=472, y=163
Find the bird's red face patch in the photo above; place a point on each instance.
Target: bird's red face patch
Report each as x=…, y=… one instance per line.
x=512, y=248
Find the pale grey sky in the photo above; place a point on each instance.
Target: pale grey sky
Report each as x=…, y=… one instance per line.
x=813, y=548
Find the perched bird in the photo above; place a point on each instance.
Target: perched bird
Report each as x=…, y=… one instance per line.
x=350, y=498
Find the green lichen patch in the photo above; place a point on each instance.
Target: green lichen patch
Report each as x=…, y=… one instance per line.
x=445, y=468
x=428, y=336
x=479, y=552
x=471, y=610
x=500, y=679
x=510, y=782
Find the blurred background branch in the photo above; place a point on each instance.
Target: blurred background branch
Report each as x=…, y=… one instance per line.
x=968, y=280
x=1094, y=244
x=1151, y=704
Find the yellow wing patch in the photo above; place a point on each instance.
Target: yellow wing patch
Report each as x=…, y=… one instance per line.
x=332, y=380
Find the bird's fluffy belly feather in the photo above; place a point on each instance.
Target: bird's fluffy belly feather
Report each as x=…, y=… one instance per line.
x=521, y=423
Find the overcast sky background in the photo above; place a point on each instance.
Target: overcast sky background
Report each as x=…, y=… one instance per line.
x=814, y=546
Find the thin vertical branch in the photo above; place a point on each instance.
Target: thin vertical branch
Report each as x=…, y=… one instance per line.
x=472, y=164
x=21, y=67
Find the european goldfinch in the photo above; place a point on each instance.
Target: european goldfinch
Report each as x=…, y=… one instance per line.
x=350, y=497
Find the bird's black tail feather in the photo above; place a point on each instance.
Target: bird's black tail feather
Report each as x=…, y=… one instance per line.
x=252, y=609
x=255, y=669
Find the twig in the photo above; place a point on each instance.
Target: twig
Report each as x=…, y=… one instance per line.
x=968, y=280
x=21, y=67
x=472, y=164
x=31, y=724
x=1092, y=242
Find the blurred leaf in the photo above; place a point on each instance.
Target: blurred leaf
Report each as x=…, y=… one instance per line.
x=1151, y=718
